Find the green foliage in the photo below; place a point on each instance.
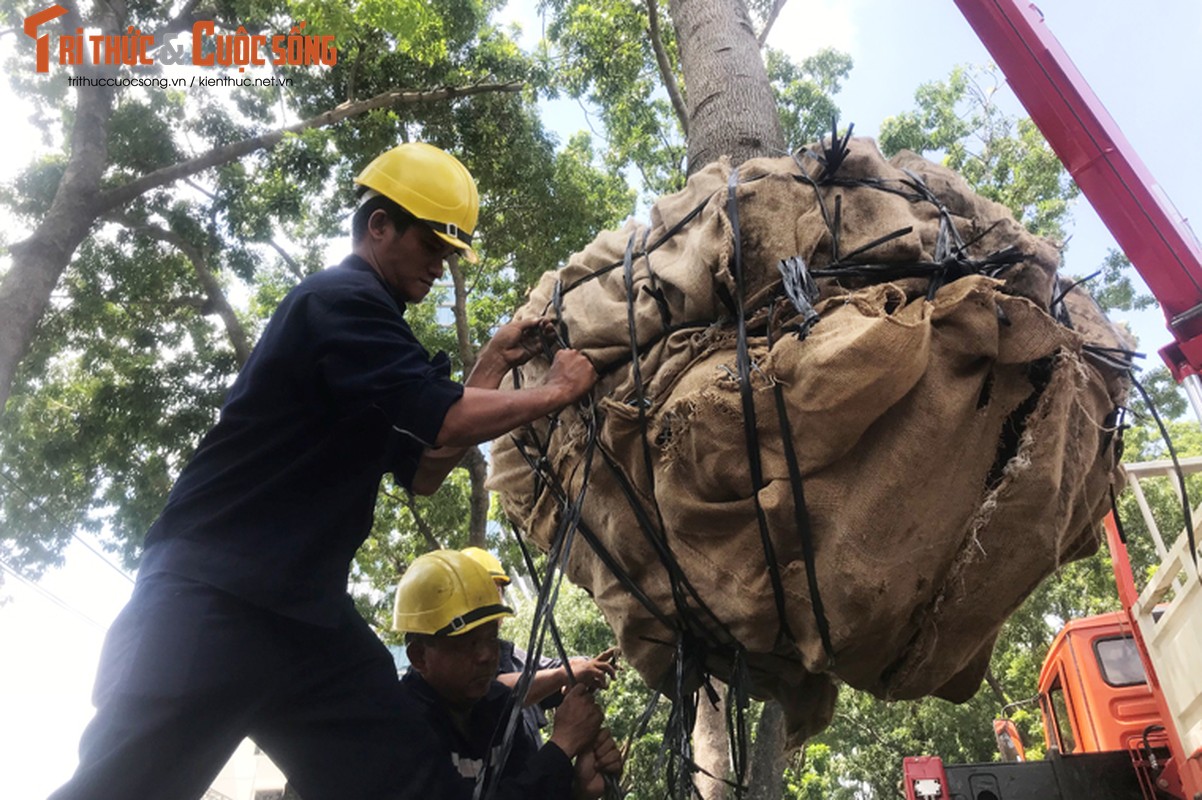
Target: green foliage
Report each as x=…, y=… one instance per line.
x=805, y=93
x=815, y=775
x=860, y=755
x=122, y=376
x=582, y=629
x=1002, y=158
x=1117, y=293
x=601, y=52
x=33, y=190
x=413, y=27
x=130, y=365
x=140, y=133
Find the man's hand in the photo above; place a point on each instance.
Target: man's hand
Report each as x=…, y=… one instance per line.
x=596, y=673
x=602, y=759
x=517, y=342
x=577, y=721
x=607, y=754
x=572, y=373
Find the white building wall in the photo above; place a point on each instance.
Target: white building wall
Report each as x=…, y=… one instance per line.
x=248, y=775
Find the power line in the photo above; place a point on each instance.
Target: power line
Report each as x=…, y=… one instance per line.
x=74, y=535
x=58, y=601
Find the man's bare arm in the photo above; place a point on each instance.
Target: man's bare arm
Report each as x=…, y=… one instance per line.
x=486, y=412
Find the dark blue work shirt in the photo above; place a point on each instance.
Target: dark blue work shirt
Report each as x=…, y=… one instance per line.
x=280, y=494
x=514, y=659
x=530, y=773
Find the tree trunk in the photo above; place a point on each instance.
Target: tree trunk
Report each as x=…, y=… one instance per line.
x=711, y=746
x=732, y=110
x=39, y=260
x=477, y=470
x=766, y=774
x=473, y=459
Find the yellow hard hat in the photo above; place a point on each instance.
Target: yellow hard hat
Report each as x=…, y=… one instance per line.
x=431, y=185
x=446, y=593
x=489, y=562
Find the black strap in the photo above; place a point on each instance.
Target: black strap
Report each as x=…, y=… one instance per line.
x=549, y=479
x=462, y=621
x=667, y=235
x=801, y=520
x=1186, y=512
x=448, y=229
x=488, y=780
x=743, y=364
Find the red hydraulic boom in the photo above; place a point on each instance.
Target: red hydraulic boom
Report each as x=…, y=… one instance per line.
x=1115, y=181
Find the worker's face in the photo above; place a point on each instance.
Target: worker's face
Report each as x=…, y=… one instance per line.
x=409, y=262
x=460, y=668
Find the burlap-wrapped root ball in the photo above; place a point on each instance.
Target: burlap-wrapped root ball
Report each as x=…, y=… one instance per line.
x=952, y=427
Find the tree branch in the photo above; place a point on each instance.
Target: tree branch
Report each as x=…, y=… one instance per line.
x=665, y=66
x=212, y=288
x=114, y=198
x=199, y=188
x=423, y=527
x=772, y=15
x=289, y=261
x=473, y=459
x=999, y=691
x=179, y=23
x=477, y=470
x=467, y=354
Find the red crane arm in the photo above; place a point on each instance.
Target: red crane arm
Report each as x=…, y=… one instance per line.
x=1115, y=181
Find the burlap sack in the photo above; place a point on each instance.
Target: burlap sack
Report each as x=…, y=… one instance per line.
x=954, y=451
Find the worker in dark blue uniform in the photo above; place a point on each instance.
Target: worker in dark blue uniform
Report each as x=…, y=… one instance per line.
x=450, y=612
x=240, y=623
x=545, y=691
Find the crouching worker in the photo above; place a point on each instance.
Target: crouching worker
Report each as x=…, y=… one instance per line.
x=551, y=678
x=448, y=608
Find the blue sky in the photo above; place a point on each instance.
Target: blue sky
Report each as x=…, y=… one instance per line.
x=1143, y=61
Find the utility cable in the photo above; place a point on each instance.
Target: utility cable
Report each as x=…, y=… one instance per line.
x=53, y=518
x=51, y=596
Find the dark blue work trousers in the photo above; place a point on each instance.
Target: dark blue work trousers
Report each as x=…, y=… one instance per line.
x=187, y=671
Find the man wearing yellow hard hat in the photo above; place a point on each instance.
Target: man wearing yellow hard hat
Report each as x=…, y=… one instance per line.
x=448, y=607
x=240, y=623
x=552, y=676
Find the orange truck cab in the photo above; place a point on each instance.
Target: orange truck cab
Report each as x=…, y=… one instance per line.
x=1093, y=690
x=1120, y=693
x=1095, y=698
x=1101, y=722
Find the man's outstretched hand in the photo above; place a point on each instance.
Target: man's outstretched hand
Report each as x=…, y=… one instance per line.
x=596, y=672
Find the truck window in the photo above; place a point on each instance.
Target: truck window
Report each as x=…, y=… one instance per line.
x=1061, y=721
x=1119, y=661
